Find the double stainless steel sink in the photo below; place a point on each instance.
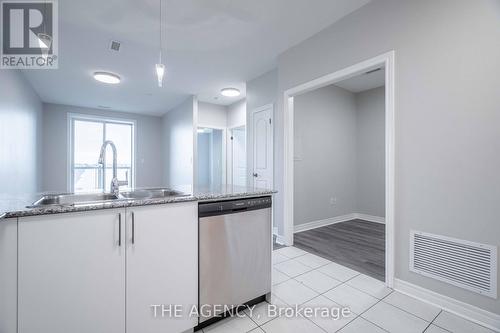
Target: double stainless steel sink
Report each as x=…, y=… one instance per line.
x=97, y=198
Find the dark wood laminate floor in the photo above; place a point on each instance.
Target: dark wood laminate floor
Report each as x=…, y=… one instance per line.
x=357, y=244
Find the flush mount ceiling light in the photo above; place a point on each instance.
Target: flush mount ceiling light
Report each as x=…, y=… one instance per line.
x=107, y=77
x=230, y=92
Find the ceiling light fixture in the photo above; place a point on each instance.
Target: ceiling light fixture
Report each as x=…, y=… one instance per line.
x=160, y=67
x=230, y=92
x=107, y=77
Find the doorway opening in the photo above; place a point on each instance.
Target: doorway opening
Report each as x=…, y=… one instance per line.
x=340, y=186
x=211, y=157
x=339, y=173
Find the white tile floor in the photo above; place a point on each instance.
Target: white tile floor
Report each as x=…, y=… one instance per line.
x=308, y=281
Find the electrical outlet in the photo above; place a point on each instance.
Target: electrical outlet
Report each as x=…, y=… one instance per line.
x=333, y=201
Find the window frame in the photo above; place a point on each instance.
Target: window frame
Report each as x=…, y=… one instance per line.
x=72, y=117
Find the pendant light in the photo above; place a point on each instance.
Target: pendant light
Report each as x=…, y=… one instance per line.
x=160, y=67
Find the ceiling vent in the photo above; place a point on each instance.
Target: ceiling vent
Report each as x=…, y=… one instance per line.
x=115, y=45
x=464, y=264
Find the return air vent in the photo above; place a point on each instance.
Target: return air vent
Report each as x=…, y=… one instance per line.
x=464, y=264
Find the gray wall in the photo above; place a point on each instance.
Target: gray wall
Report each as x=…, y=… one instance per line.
x=218, y=116
x=20, y=135
x=262, y=90
x=325, y=154
x=178, y=141
x=447, y=116
x=55, y=145
x=370, y=148
x=237, y=114
x=212, y=115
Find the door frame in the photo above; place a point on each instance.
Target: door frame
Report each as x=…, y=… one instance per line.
x=230, y=155
x=387, y=60
x=251, y=142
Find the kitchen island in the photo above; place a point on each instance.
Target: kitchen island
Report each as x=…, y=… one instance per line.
x=102, y=267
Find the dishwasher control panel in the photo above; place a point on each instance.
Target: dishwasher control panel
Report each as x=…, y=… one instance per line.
x=233, y=206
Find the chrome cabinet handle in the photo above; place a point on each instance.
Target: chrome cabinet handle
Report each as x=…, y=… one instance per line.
x=133, y=228
x=119, y=229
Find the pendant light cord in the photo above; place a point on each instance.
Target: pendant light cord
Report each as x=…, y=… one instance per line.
x=44, y=17
x=161, y=44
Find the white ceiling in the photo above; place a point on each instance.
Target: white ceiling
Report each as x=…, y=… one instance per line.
x=363, y=82
x=210, y=45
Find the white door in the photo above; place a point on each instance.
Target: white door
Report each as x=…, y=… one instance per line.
x=239, y=154
x=162, y=266
x=72, y=273
x=263, y=147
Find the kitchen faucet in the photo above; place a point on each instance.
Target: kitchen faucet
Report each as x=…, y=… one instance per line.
x=115, y=183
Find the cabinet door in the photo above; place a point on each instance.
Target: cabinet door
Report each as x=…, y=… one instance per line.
x=72, y=273
x=8, y=275
x=162, y=266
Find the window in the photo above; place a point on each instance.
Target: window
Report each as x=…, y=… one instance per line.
x=87, y=134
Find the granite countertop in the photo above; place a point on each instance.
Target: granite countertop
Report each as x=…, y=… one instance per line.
x=12, y=206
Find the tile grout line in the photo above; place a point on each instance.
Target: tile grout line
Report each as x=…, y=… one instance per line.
x=359, y=316
x=383, y=299
x=379, y=299
x=425, y=330
x=397, y=307
x=447, y=330
x=319, y=294
x=322, y=294
x=413, y=314
x=341, y=283
x=441, y=310
x=346, y=282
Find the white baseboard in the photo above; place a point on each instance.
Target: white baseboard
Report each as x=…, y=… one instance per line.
x=467, y=311
x=280, y=239
x=322, y=223
x=337, y=219
x=370, y=218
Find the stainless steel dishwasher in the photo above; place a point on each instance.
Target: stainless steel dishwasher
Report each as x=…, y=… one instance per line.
x=234, y=254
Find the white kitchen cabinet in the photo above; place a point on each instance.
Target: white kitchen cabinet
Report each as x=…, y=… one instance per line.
x=162, y=265
x=72, y=273
x=8, y=275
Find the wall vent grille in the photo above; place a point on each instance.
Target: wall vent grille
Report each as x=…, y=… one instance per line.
x=464, y=264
